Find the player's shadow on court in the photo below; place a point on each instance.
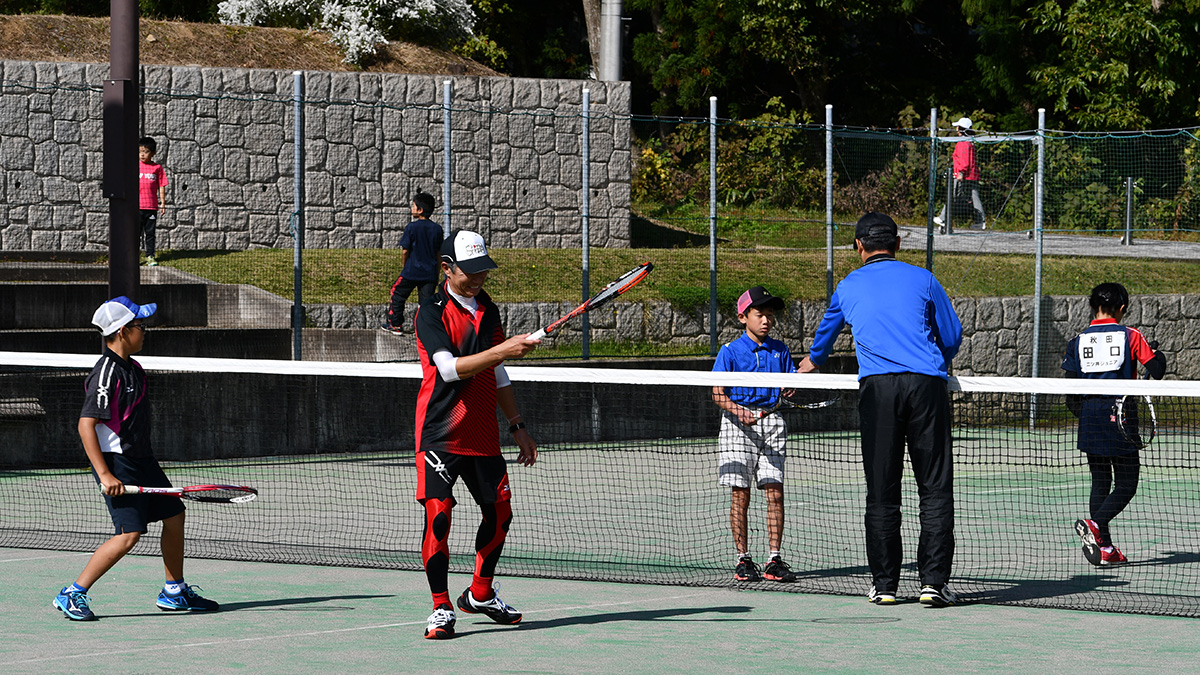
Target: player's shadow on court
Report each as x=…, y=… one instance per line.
x=612, y=617
x=1170, y=558
x=304, y=604
x=296, y=604
x=1040, y=589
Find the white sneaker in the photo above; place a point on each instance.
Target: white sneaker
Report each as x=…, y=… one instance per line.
x=937, y=597
x=495, y=609
x=441, y=624
x=937, y=220
x=880, y=598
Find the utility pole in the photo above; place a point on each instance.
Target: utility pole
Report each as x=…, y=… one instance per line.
x=120, y=150
x=610, y=29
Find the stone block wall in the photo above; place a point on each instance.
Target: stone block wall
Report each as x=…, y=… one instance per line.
x=371, y=140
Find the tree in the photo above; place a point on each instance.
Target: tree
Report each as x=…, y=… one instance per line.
x=1102, y=65
x=187, y=10
x=869, y=59
x=534, y=38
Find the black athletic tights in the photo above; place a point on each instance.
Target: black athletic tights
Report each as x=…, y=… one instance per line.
x=1114, y=482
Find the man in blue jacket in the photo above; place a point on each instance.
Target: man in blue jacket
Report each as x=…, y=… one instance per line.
x=905, y=333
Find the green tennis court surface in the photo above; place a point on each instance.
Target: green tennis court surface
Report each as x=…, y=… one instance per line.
x=304, y=619
x=652, y=513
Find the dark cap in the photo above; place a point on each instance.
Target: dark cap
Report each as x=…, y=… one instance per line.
x=758, y=297
x=467, y=251
x=875, y=224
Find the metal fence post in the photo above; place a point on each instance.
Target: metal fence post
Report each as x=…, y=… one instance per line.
x=297, y=224
x=446, y=164
x=950, y=199
x=1038, y=192
x=586, y=149
x=712, y=225
x=828, y=202
x=1128, y=238
x=933, y=141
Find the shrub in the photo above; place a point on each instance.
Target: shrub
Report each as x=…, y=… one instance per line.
x=358, y=26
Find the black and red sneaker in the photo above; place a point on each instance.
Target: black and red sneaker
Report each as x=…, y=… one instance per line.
x=1089, y=534
x=746, y=570
x=441, y=623
x=777, y=570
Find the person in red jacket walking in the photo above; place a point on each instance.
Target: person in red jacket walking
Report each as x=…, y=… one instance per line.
x=966, y=176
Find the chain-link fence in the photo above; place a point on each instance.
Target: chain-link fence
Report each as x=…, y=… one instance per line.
x=726, y=204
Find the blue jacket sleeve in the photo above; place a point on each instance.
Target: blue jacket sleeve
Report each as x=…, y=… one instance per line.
x=827, y=332
x=949, y=328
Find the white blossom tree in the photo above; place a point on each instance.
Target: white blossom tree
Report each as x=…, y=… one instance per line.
x=357, y=27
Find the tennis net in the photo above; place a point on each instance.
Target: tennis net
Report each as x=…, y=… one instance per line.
x=625, y=487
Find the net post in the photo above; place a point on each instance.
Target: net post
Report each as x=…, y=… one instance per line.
x=585, y=206
x=297, y=214
x=1038, y=192
x=828, y=202
x=712, y=225
x=1128, y=238
x=446, y=166
x=933, y=141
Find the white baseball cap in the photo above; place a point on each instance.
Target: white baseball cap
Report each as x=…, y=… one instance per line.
x=964, y=122
x=115, y=313
x=467, y=251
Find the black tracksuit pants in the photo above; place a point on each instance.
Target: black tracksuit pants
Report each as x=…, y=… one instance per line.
x=895, y=409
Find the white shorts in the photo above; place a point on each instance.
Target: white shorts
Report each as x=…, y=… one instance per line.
x=751, y=452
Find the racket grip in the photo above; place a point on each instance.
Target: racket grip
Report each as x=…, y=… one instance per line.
x=126, y=489
x=537, y=334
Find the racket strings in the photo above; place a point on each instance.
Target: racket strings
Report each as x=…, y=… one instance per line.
x=234, y=495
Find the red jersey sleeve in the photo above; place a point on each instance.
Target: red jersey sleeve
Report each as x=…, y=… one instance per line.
x=1139, y=348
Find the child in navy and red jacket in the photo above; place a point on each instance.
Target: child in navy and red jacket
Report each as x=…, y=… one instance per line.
x=1106, y=350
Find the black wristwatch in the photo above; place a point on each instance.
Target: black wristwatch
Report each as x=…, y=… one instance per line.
x=512, y=428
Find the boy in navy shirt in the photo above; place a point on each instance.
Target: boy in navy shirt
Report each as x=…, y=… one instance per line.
x=419, y=253
x=1106, y=350
x=752, y=443
x=115, y=429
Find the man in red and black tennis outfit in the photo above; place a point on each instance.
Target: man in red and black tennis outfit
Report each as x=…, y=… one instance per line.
x=462, y=348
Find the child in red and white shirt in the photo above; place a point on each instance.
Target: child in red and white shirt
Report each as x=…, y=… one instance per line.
x=152, y=193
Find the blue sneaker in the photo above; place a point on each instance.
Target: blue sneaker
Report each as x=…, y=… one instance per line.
x=74, y=605
x=189, y=599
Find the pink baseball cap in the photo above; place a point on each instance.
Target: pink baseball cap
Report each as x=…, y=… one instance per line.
x=757, y=297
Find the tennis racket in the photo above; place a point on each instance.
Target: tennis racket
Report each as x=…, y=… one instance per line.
x=623, y=283
x=1136, y=419
x=786, y=400
x=221, y=494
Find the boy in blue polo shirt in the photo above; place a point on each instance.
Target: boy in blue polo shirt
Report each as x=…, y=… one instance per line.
x=114, y=427
x=752, y=443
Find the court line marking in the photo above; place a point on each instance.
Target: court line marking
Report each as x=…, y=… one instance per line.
x=287, y=636
x=47, y=557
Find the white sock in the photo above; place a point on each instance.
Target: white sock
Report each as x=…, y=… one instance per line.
x=773, y=555
x=174, y=587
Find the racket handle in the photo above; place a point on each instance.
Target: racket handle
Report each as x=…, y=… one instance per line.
x=537, y=334
x=126, y=489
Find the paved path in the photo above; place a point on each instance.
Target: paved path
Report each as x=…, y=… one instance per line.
x=992, y=241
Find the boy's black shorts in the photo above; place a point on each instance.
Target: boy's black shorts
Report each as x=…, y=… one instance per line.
x=132, y=513
x=438, y=470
